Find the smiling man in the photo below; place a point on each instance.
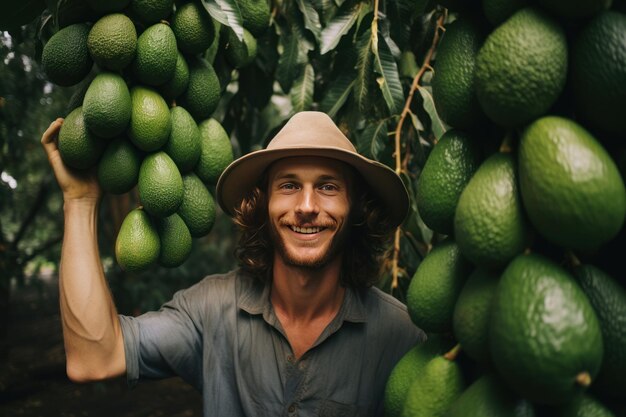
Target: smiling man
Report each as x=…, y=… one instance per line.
x=299, y=329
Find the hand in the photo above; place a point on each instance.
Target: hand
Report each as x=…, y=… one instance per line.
x=75, y=185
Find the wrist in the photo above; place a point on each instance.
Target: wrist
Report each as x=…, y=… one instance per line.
x=85, y=204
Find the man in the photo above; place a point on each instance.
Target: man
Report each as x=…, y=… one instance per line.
x=298, y=329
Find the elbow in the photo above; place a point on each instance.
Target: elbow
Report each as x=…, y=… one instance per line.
x=76, y=375
x=82, y=373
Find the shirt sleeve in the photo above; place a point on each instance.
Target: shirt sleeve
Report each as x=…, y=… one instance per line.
x=164, y=343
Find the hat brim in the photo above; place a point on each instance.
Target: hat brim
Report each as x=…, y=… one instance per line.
x=243, y=174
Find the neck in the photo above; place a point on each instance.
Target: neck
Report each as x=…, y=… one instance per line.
x=306, y=294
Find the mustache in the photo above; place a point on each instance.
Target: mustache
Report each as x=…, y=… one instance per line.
x=327, y=224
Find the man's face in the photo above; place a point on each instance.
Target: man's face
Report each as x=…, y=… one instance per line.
x=308, y=209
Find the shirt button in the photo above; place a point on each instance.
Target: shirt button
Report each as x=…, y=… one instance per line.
x=290, y=358
x=292, y=408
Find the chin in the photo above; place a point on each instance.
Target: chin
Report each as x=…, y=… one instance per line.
x=312, y=263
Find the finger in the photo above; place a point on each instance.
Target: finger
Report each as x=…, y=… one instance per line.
x=48, y=139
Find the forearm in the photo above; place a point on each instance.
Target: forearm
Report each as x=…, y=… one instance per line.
x=91, y=329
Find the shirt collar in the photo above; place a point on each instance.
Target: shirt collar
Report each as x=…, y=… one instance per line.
x=254, y=298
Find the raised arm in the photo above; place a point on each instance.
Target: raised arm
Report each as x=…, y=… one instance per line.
x=94, y=345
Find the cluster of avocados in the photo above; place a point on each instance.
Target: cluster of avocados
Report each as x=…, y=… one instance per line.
x=524, y=296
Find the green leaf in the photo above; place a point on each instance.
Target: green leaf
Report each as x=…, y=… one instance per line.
x=373, y=141
x=400, y=17
x=229, y=9
x=311, y=18
x=304, y=44
x=414, y=223
x=292, y=58
x=287, y=63
x=16, y=13
x=338, y=26
x=417, y=124
x=437, y=125
x=337, y=94
x=389, y=78
x=364, y=71
x=325, y=8
x=215, y=11
x=302, y=91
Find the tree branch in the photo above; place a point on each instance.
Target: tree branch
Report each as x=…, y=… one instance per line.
x=398, y=143
x=42, y=195
x=44, y=247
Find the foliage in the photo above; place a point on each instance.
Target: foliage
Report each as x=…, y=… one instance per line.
x=354, y=59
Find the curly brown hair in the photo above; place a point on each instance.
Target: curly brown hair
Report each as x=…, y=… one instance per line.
x=363, y=259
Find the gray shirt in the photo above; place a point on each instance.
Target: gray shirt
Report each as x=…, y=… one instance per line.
x=223, y=337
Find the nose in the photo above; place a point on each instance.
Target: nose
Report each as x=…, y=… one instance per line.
x=307, y=202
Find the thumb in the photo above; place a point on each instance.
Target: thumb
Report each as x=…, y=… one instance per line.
x=49, y=137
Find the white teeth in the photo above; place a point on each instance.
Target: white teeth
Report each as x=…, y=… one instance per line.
x=306, y=230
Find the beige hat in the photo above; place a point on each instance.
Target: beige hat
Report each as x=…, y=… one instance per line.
x=311, y=133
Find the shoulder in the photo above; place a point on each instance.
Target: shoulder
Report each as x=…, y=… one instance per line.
x=222, y=288
x=211, y=290
x=212, y=296
x=210, y=284
x=391, y=314
x=375, y=298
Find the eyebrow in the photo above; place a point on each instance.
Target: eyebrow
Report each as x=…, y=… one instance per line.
x=290, y=176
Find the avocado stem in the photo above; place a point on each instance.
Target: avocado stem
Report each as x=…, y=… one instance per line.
x=583, y=379
x=453, y=353
x=507, y=144
x=573, y=260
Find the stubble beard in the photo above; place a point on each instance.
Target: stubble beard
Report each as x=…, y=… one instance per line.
x=334, y=250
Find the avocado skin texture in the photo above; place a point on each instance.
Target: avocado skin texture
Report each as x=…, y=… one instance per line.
x=409, y=368
x=183, y=146
x=598, y=75
x=112, y=42
x=203, y=91
x=572, y=190
x=193, y=27
x=440, y=384
x=435, y=287
x=160, y=185
x=150, y=120
x=608, y=299
x=65, y=57
x=448, y=169
x=176, y=241
x=118, y=169
x=521, y=68
x=107, y=105
x=489, y=397
x=472, y=314
x=198, y=207
x=79, y=148
x=216, y=151
x=454, y=86
x=543, y=332
x=137, y=245
x=155, y=61
x=490, y=226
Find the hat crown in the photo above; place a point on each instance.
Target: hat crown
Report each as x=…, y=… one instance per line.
x=311, y=129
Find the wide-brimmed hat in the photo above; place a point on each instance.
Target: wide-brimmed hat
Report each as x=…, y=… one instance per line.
x=311, y=133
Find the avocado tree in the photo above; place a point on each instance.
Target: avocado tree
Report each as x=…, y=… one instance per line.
x=367, y=64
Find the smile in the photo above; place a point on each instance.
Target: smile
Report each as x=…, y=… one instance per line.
x=306, y=230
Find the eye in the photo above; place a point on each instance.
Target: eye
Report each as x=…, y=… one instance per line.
x=329, y=187
x=288, y=186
